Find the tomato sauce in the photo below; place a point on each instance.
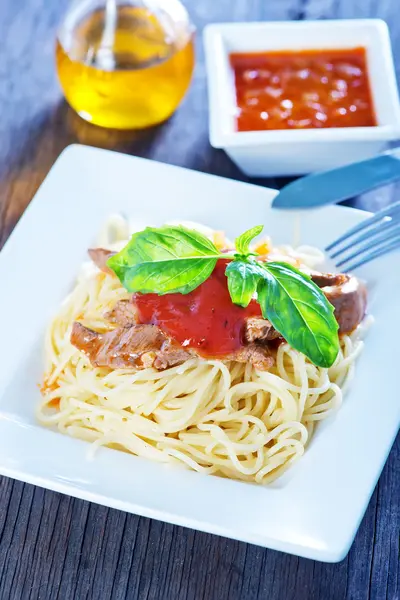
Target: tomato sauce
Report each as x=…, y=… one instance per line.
x=302, y=90
x=205, y=319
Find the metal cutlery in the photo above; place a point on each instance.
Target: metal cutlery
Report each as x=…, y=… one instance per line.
x=376, y=236
x=336, y=185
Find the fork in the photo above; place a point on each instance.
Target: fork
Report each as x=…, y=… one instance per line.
x=374, y=237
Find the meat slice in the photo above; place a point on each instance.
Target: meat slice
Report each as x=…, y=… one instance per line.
x=328, y=279
x=123, y=313
x=256, y=354
x=143, y=346
x=347, y=295
x=257, y=329
x=137, y=346
x=349, y=299
x=100, y=256
x=171, y=355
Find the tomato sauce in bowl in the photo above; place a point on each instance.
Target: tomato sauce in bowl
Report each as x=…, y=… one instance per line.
x=302, y=89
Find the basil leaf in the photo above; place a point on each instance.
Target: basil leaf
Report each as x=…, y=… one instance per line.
x=242, y=242
x=300, y=311
x=175, y=276
x=243, y=277
x=165, y=260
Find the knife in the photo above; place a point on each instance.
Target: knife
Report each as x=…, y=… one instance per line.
x=336, y=185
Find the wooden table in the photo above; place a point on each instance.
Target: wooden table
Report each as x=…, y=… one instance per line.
x=56, y=547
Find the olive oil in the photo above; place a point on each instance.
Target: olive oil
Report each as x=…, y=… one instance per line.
x=124, y=66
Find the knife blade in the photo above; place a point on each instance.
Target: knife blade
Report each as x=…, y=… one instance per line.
x=336, y=185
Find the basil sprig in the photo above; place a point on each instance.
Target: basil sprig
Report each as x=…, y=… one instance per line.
x=173, y=259
x=242, y=242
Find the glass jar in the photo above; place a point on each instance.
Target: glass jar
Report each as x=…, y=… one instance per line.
x=125, y=64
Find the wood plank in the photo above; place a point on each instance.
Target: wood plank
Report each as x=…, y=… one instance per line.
x=56, y=547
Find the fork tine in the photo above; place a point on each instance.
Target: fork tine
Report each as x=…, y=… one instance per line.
x=370, y=242
x=378, y=244
x=385, y=212
x=385, y=249
x=369, y=234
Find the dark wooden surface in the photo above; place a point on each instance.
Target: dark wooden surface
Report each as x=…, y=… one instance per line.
x=56, y=547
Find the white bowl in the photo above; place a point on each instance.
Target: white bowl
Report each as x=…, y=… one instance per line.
x=295, y=152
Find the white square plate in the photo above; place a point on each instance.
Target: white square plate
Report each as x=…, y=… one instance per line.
x=314, y=511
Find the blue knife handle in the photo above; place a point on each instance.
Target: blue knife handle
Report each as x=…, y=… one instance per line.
x=336, y=185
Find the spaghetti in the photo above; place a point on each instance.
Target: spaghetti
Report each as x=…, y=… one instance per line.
x=220, y=417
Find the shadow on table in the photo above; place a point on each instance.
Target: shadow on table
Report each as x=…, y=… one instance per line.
x=34, y=146
x=209, y=160
x=45, y=135
x=136, y=142
x=141, y=142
